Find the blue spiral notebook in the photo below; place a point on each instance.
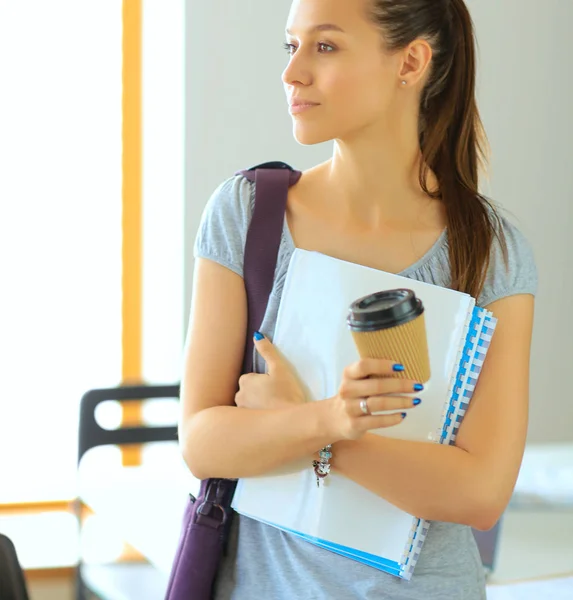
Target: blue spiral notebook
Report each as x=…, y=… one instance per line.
x=312, y=334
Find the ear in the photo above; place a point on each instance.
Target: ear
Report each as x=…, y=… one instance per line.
x=416, y=60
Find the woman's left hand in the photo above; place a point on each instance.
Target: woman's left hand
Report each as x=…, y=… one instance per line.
x=279, y=388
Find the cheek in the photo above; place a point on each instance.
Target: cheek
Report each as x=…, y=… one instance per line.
x=353, y=95
x=357, y=94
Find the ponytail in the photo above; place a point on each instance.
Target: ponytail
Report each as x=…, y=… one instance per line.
x=452, y=138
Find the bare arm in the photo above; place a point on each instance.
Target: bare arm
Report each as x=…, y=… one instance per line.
x=273, y=426
x=236, y=442
x=417, y=477
x=217, y=439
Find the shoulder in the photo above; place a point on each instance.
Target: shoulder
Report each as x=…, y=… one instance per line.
x=224, y=224
x=232, y=199
x=512, y=269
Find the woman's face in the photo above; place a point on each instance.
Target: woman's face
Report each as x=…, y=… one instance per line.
x=338, y=64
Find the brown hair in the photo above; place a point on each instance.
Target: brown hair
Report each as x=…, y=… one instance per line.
x=452, y=138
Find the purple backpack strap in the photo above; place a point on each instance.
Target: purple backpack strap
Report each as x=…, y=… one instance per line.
x=272, y=182
x=207, y=519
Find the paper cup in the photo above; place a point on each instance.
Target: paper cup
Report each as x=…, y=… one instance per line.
x=391, y=325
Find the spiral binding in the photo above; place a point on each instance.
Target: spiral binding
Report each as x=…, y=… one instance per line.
x=485, y=332
x=480, y=327
x=455, y=384
x=477, y=321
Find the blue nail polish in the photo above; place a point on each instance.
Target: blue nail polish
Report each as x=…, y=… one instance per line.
x=417, y=402
x=259, y=336
x=418, y=387
x=403, y=415
x=398, y=368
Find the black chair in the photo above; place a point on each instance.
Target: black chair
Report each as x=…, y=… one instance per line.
x=12, y=582
x=120, y=581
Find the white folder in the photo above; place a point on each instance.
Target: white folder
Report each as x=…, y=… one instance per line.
x=313, y=335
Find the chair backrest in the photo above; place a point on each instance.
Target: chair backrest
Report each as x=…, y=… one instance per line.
x=92, y=435
x=12, y=582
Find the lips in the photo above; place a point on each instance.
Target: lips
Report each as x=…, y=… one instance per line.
x=301, y=102
x=299, y=105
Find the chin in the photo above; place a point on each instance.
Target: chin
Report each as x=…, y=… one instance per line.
x=307, y=135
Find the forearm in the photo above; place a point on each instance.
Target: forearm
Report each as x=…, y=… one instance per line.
x=232, y=442
x=431, y=481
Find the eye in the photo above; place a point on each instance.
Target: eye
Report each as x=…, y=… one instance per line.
x=325, y=48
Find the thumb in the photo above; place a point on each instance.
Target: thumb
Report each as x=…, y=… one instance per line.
x=267, y=350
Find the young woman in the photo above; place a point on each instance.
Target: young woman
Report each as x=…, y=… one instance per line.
x=392, y=83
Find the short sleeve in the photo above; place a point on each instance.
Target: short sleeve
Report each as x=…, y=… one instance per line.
x=518, y=275
x=224, y=224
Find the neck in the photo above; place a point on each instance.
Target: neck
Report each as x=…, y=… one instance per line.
x=375, y=177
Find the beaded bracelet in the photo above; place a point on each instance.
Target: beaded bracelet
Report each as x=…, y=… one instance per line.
x=322, y=466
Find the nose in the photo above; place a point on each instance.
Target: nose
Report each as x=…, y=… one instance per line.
x=297, y=72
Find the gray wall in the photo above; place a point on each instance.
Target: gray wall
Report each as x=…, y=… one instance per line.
x=237, y=117
x=236, y=109
x=526, y=99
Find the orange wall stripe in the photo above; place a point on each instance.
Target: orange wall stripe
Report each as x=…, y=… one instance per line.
x=132, y=218
x=26, y=508
x=33, y=508
x=60, y=574
x=132, y=191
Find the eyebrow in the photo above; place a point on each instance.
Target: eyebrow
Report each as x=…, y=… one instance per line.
x=322, y=27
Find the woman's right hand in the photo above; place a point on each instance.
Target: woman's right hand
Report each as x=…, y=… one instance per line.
x=369, y=383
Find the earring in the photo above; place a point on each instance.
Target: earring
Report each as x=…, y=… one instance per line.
x=404, y=82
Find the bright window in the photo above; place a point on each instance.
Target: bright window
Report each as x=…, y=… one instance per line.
x=60, y=240
x=60, y=247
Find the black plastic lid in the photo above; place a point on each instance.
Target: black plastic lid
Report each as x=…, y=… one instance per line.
x=384, y=310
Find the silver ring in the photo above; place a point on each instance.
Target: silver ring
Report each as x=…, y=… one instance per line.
x=364, y=407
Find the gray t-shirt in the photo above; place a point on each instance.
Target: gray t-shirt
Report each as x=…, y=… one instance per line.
x=265, y=563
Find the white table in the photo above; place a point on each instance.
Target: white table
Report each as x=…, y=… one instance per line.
x=144, y=505
x=534, y=543
x=546, y=477
x=560, y=588
x=537, y=535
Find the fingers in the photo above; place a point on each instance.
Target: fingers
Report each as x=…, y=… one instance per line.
x=359, y=422
x=373, y=384
x=372, y=367
x=244, y=379
x=382, y=421
x=377, y=404
x=267, y=350
x=377, y=386
x=356, y=427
